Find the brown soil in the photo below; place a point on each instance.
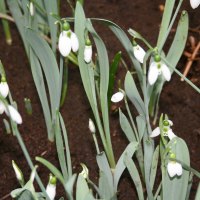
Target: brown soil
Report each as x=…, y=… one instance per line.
x=178, y=99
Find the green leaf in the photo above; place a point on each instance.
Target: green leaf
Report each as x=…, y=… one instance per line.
x=197, y=197
x=141, y=126
x=126, y=127
x=154, y=167
x=176, y=187
x=82, y=188
x=69, y=186
x=134, y=175
x=133, y=94
x=113, y=69
x=169, y=5
x=120, y=167
x=52, y=168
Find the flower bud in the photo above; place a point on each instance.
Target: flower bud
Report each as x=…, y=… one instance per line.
x=92, y=126
x=117, y=97
x=18, y=173
x=4, y=89
x=31, y=9
x=14, y=114
x=85, y=171
x=51, y=187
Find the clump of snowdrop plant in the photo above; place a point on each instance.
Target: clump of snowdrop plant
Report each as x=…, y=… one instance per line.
x=67, y=41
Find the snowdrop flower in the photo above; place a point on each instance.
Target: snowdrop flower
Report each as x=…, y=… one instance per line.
x=88, y=51
x=13, y=114
x=67, y=41
x=194, y=3
x=4, y=89
x=167, y=131
x=157, y=68
x=2, y=107
x=51, y=187
x=31, y=9
x=85, y=171
x=91, y=126
x=174, y=168
x=138, y=52
x=117, y=97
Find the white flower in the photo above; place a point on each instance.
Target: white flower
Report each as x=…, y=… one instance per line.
x=4, y=89
x=117, y=97
x=174, y=168
x=167, y=131
x=31, y=9
x=85, y=171
x=88, y=53
x=67, y=41
x=157, y=68
x=13, y=114
x=91, y=126
x=194, y=3
x=51, y=187
x=64, y=44
x=74, y=41
x=18, y=173
x=139, y=53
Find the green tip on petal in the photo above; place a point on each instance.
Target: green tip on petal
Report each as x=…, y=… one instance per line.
x=157, y=58
x=66, y=26
x=172, y=156
x=165, y=123
x=3, y=79
x=52, y=179
x=134, y=43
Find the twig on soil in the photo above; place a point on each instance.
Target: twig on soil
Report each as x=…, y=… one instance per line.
x=191, y=57
x=7, y=17
x=5, y=197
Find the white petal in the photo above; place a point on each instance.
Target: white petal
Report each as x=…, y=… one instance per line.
x=139, y=53
x=155, y=132
x=51, y=191
x=153, y=73
x=31, y=9
x=194, y=3
x=117, y=97
x=18, y=172
x=171, y=168
x=2, y=107
x=64, y=44
x=14, y=114
x=179, y=169
x=74, y=41
x=170, y=122
x=88, y=54
x=170, y=134
x=4, y=89
x=166, y=72
x=91, y=126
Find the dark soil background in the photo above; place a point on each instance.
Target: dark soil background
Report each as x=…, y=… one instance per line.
x=178, y=99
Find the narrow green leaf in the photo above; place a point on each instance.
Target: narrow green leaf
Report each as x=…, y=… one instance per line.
x=141, y=126
x=82, y=188
x=134, y=175
x=120, y=167
x=154, y=166
x=52, y=168
x=126, y=127
x=133, y=94
x=197, y=197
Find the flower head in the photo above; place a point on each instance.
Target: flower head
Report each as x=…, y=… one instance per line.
x=88, y=51
x=174, y=168
x=194, y=3
x=4, y=89
x=67, y=41
x=117, y=97
x=31, y=9
x=51, y=187
x=91, y=126
x=157, y=68
x=138, y=52
x=166, y=130
x=13, y=114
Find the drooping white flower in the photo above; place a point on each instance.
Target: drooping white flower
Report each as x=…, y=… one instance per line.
x=51, y=187
x=157, y=67
x=88, y=53
x=31, y=9
x=13, y=114
x=194, y=3
x=167, y=131
x=174, y=168
x=4, y=89
x=67, y=41
x=85, y=171
x=91, y=126
x=139, y=53
x=64, y=43
x=117, y=97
